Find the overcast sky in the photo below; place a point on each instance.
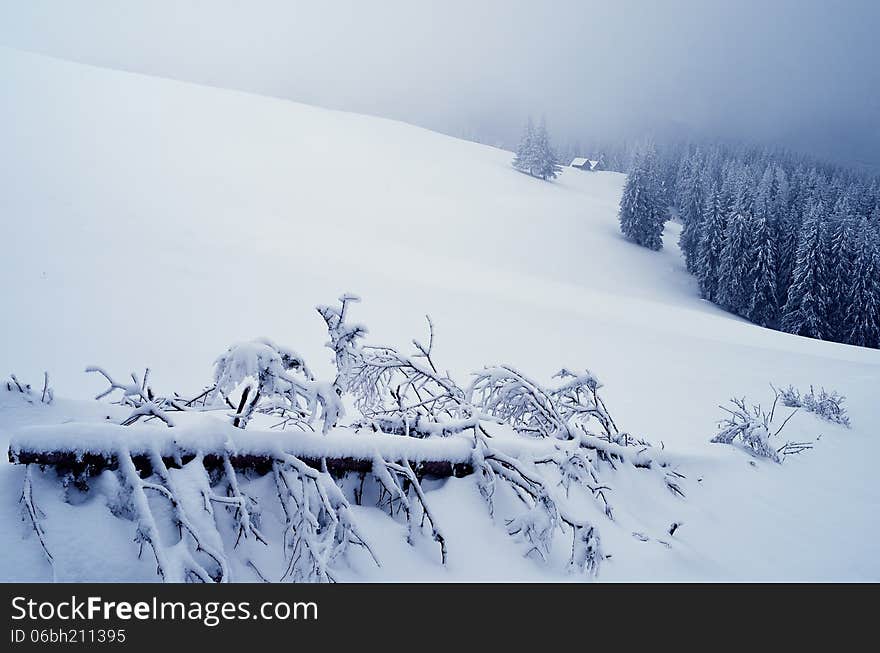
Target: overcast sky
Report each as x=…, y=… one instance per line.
x=794, y=72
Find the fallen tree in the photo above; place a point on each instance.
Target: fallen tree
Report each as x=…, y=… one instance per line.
x=266, y=414
x=84, y=450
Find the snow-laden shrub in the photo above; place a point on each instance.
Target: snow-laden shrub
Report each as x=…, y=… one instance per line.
x=45, y=396
x=754, y=429
x=750, y=426
x=827, y=405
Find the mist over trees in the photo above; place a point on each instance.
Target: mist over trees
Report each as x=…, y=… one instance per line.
x=783, y=240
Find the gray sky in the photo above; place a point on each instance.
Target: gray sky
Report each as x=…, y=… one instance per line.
x=795, y=72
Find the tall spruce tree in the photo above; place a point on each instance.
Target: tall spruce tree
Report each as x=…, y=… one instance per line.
x=727, y=191
x=734, y=272
x=805, y=311
x=711, y=243
x=534, y=155
x=765, y=195
x=690, y=210
x=744, y=190
x=763, y=307
x=787, y=226
x=641, y=218
x=526, y=158
x=546, y=166
x=682, y=179
x=862, y=321
x=841, y=253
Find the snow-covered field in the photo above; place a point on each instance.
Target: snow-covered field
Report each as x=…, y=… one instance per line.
x=151, y=223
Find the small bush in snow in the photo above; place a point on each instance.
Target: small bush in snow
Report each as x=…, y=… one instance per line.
x=46, y=394
x=752, y=428
x=828, y=406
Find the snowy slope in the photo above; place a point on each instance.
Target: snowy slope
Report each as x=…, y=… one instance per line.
x=148, y=222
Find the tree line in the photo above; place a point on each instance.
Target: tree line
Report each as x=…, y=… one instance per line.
x=782, y=240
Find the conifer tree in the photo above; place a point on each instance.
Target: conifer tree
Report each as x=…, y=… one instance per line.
x=727, y=191
x=682, y=178
x=546, y=166
x=711, y=244
x=763, y=305
x=805, y=310
x=690, y=211
x=744, y=189
x=534, y=155
x=641, y=219
x=734, y=272
x=525, y=160
x=840, y=251
x=787, y=227
x=765, y=195
x=862, y=321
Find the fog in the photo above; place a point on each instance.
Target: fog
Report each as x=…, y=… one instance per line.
x=796, y=73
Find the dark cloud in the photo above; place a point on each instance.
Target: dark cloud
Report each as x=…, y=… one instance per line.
x=793, y=72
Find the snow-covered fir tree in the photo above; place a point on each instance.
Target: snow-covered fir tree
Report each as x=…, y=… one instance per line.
x=710, y=244
x=727, y=189
x=525, y=152
x=763, y=307
x=744, y=191
x=690, y=210
x=547, y=166
x=765, y=194
x=734, y=272
x=862, y=320
x=535, y=155
x=805, y=312
x=682, y=178
x=840, y=249
x=641, y=215
x=787, y=227
x=662, y=173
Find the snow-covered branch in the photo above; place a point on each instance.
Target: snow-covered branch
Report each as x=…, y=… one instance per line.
x=277, y=378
